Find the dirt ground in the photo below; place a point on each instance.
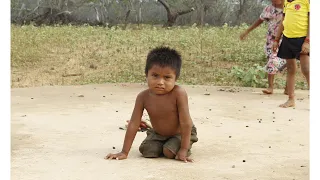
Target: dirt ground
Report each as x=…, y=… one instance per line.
x=63, y=133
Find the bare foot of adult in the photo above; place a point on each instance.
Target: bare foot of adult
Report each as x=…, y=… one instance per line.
x=289, y=103
x=268, y=91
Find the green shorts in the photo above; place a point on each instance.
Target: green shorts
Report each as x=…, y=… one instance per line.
x=154, y=143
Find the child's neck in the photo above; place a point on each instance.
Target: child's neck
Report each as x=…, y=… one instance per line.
x=280, y=6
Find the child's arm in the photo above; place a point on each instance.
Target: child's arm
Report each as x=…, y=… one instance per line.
x=279, y=31
x=308, y=25
x=185, y=124
x=278, y=35
x=132, y=129
x=306, y=45
x=305, y=49
x=252, y=27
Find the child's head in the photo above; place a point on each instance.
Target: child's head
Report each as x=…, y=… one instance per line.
x=162, y=69
x=277, y=2
x=164, y=57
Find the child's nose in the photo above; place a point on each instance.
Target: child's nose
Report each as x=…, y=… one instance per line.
x=161, y=81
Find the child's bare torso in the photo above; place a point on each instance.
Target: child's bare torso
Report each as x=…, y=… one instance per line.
x=163, y=112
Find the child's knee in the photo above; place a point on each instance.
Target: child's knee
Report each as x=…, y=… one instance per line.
x=167, y=153
x=291, y=68
x=150, y=149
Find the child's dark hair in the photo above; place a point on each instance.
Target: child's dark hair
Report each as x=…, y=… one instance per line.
x=164, y=57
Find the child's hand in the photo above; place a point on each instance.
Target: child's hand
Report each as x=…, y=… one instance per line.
x=275, y=46
x=118, y=156
x=182, y=156
x=305, y=48
x=243, y=35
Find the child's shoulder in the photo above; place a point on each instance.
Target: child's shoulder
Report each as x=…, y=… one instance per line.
x=178, y=90
x=143, y=93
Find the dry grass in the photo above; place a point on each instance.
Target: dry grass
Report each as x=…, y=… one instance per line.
x=71, y=55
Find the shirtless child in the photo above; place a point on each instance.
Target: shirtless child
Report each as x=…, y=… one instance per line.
x=173, y=132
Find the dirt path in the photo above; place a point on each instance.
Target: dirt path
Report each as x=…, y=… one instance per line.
x=57, y=135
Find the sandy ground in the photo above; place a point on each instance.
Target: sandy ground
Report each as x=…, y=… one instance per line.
x=57, y=135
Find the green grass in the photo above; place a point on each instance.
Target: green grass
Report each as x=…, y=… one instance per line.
x=45, y=55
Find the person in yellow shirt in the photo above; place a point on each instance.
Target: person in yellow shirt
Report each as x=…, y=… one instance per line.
x=295, y=42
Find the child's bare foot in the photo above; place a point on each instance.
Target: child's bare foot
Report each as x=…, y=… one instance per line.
x=289, y=103
x=268, y=91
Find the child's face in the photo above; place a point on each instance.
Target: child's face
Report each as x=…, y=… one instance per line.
x=161, y=80
x=277, y=2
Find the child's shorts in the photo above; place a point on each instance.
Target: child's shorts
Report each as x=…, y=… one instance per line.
x=290, y=48
x=154, y=143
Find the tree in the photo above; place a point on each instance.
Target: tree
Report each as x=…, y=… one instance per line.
x=173, y=14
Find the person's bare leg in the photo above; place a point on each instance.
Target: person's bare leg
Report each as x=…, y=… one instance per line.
x=269, y=90
x=291, y=68
x=304, y=62
x=168, y=154
x=286, y=89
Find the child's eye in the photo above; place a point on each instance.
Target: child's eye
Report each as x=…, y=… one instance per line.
x=155, y=75
x=167, y=77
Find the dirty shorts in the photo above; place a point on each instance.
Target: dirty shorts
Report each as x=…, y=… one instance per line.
x=154, y=143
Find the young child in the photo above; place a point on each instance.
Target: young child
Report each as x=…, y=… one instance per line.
x=295, y=42
x=173, y=132
x=272, y=14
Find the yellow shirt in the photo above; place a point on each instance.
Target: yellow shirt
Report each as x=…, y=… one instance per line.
x=296, y=18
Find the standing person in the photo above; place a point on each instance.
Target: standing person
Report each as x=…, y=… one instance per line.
x=273, y=15
x=295, y=43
